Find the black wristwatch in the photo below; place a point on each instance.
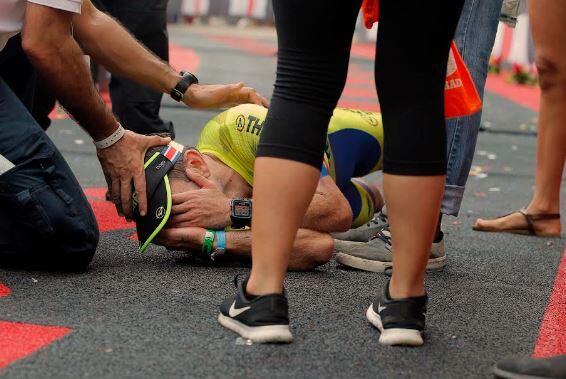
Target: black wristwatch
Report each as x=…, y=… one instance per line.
x=241, y=213
x=187, y=79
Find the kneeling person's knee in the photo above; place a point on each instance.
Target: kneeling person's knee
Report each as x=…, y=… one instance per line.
x=75, y=232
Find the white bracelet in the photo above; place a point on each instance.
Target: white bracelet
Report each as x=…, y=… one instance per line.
x=112, y=139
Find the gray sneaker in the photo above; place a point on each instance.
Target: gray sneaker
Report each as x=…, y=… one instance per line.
x=365, y=232
x=375, y=255
x=531, y=368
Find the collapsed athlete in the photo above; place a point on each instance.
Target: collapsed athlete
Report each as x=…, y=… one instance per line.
x=211, y=186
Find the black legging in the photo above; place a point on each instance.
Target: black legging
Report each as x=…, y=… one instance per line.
x=314, y=39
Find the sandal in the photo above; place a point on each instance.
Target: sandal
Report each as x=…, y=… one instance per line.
x=529, y=229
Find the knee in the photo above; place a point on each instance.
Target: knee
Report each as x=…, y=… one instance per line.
x=552, y=72
x=323, y=253
x=76, y=235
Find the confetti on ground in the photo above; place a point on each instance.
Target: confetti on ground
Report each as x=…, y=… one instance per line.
x=480, y=194
x=492, y=156
x=478, y=171
x=79, y=141
x=507, y=168
x=243, y=342
x=494, y=189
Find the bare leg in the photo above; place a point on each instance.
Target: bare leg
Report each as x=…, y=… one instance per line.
x=283, y=190
x=404, y=196
x=547, y=18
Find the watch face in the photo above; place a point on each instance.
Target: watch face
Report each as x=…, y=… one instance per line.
x=242, y=209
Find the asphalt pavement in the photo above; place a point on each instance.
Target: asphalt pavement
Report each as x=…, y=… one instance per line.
x=154, y=314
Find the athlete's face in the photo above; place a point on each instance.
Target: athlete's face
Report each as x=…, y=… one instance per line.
x=182, y=185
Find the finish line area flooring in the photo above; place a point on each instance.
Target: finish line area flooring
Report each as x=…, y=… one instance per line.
x=154, y=314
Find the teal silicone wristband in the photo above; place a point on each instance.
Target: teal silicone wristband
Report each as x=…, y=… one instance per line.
x=221, y=240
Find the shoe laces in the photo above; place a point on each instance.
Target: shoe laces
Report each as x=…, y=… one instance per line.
x=378, y=219
x=383, y=234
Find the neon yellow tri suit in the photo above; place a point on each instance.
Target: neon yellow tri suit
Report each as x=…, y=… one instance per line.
x=353, y=149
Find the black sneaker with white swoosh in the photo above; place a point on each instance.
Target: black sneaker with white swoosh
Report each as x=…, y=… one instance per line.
x=263, y=319
x=400, y=321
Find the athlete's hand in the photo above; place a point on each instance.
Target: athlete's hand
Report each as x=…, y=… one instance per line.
x=183, y=239
x=206, y=207
x=122, y=163
x=222, y=96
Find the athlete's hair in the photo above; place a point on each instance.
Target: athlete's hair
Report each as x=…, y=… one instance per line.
x=178, y=170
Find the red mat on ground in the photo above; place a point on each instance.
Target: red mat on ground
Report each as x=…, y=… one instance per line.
x=4, y=290
x=105, y=211
x=20, y=340
x=552, y=336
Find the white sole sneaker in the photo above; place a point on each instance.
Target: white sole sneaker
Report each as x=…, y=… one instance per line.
x=438, y=251
x=378, y=266
x=394, y=336
x=258, y=334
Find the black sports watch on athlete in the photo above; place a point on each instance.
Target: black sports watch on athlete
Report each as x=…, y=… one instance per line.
x=187, y=79
x=241, y=213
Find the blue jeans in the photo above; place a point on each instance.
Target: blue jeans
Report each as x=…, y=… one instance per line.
x=45, y=218
x=474, y=37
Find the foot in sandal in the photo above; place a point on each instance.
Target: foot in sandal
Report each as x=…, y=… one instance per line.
x=524, y=221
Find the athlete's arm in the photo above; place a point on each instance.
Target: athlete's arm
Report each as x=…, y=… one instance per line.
x=108, y=43
x=208, y=207
x=48, y=42
x=311, y=248
x=329, y=211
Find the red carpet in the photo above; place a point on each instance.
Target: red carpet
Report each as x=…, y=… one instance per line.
x=552, y=336
x=19, y=339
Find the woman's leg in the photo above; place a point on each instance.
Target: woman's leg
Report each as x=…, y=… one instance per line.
x=547, y=20
x=314, y=39
x=311, y=72
x=410, y=76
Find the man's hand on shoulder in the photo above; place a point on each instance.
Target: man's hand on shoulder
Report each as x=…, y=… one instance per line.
x=122, y=163
x=205, y=96
x=206, y=207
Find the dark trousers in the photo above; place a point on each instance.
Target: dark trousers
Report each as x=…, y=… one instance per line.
x=22, y=78
x=45, y=218
x=137, y=106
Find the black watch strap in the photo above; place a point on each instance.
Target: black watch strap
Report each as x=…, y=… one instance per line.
x=187, y=79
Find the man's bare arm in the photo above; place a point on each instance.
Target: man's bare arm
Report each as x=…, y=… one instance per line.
x=310, y=249
x=207, y=207
x=109, y=44
x=48, y=42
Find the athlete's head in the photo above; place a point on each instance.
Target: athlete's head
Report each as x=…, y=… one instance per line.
x=195, y=161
